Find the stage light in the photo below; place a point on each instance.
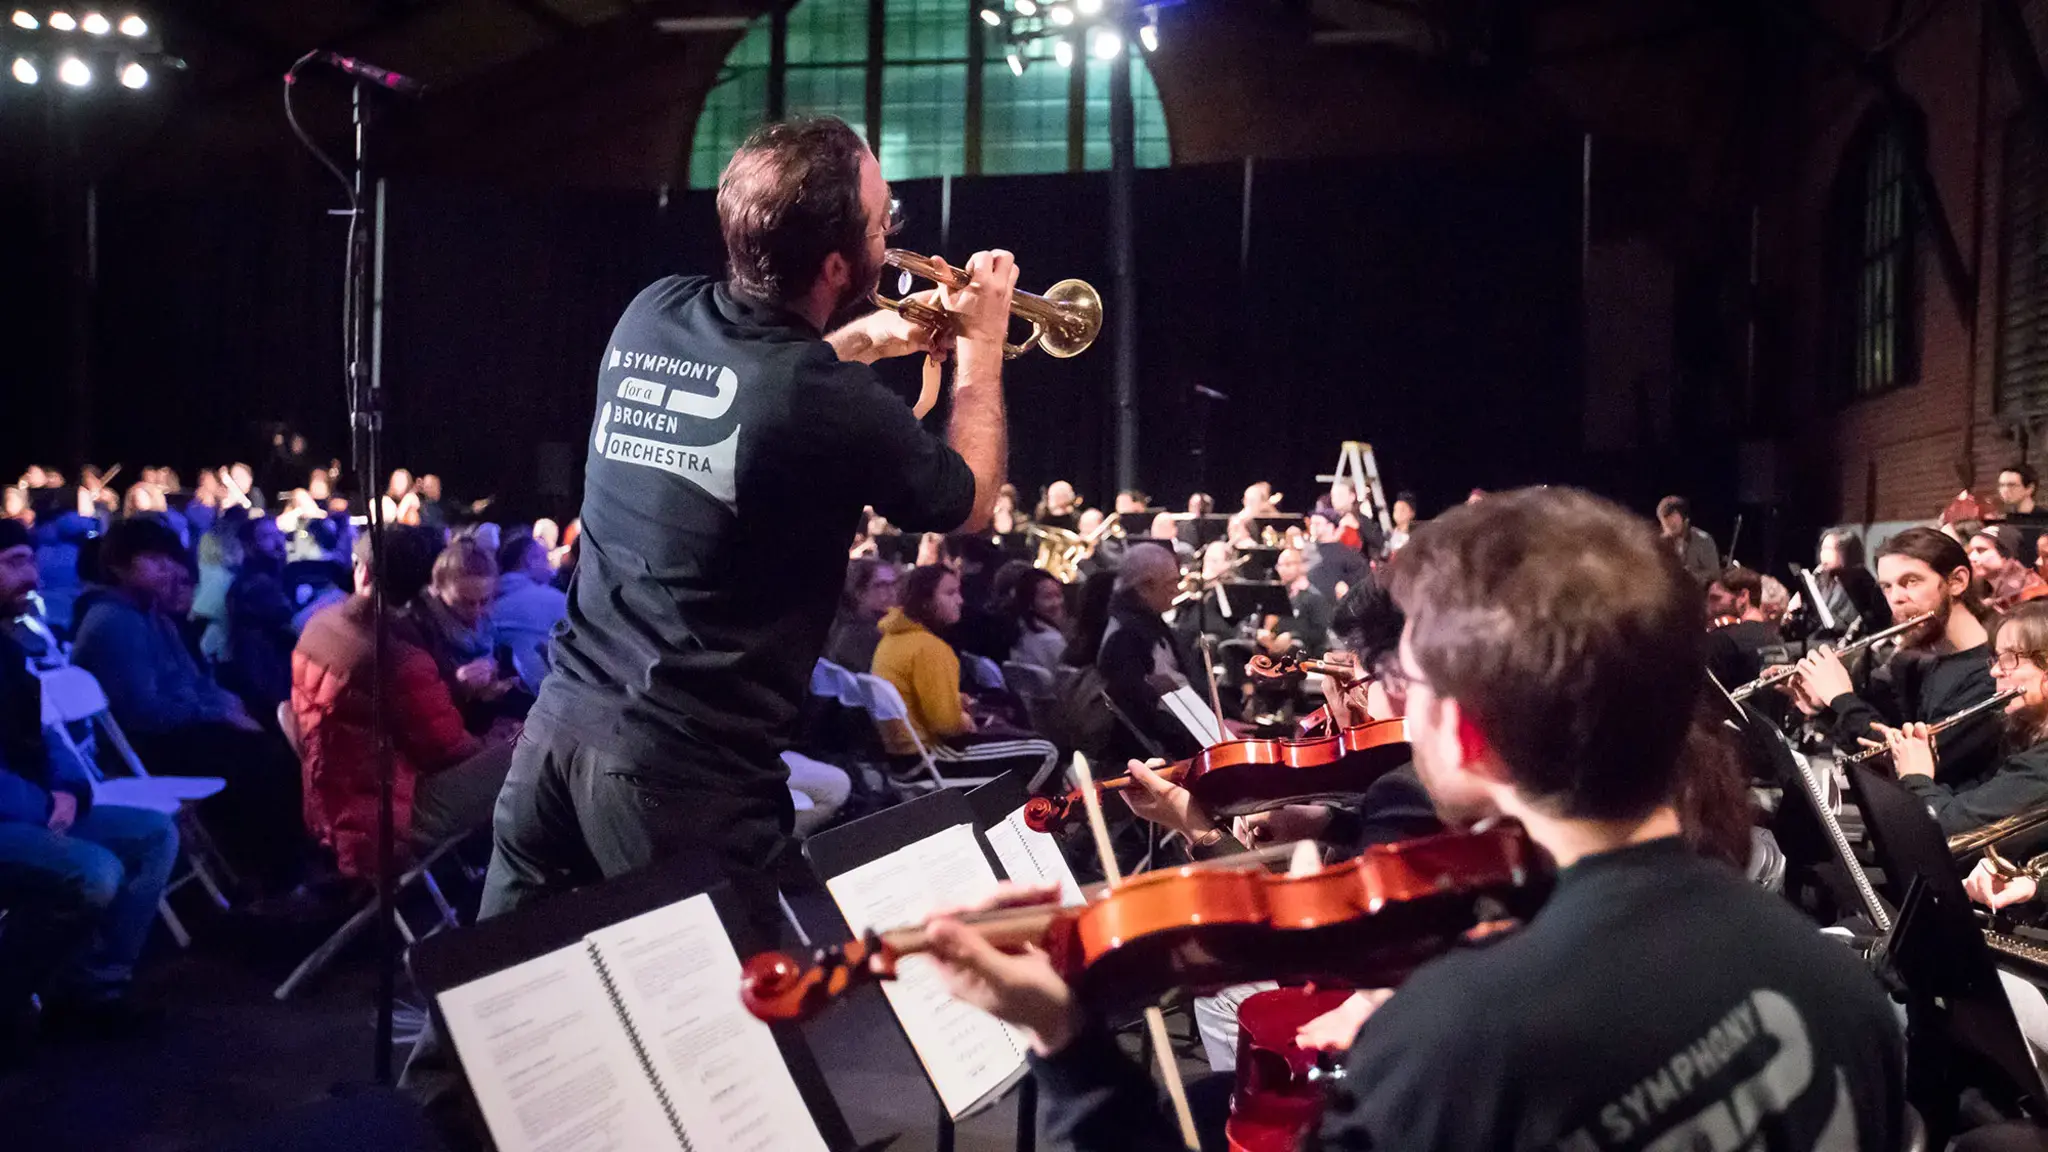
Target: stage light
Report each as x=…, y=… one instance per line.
x=25, y=70
x=1062, y=15
x=991, y=18
x=1089, y=7
x=1107, y=44
x=1148, y=35
x=1063, y=51
x=133, y=75
x=1026, y=8
x=95, y=24
x=74, y=72
x=63, y=22
x=132, y=25
x=1016, y=62
x=25, y=21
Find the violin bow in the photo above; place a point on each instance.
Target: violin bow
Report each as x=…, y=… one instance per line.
x=1208, y=645
x=1155, y=1020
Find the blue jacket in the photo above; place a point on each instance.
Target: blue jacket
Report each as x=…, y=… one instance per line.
x=152, y=682
x=29, y=769
x=524, y=616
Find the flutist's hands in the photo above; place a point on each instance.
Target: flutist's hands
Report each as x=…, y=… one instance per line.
x=1822, y=676
x=1020, y=988
x=982, y=309
x=1912, y=749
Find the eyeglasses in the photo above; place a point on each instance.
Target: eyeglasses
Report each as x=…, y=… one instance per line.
x=2009, y=661
x=896, y=220
x=1393, y=679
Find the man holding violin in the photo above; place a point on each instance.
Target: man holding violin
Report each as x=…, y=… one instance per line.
x=1552, y=660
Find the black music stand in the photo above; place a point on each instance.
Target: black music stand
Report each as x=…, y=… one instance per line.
x=1957, y=1013
x=842, y=849
x=451, y=959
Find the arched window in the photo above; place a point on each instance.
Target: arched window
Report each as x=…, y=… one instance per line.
x=928, y=50
x=1874, y=290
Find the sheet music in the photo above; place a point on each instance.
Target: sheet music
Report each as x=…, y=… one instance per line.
x=1194, y=714
x=550, y=1063
x=678, y=979
x=1032, y=857
x=966, y=1053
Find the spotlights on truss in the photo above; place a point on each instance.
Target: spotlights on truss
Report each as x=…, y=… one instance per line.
x=133, y=75
x=94, y=24
x=1064, y=29
x=82, y=49
x=134, y=26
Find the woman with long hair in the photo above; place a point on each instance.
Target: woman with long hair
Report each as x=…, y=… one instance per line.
x=1037, y=603
x=915, y=658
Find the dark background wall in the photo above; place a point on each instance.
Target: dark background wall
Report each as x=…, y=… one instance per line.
x=1426, y=304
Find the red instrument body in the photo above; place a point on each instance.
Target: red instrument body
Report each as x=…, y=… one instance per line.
x=1369, y=921
x=1239, y=777
x=1278, y=1097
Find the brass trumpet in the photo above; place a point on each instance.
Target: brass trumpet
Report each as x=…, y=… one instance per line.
x=1991, y=835
x=1772, y=679
x=1064, y=321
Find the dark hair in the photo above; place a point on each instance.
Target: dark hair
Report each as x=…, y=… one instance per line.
x=2024, y=470
x=860, y=573
x=1368, y=622
x=409, y=552
x=324, y=533
x=138, y=536
x=1137, y=494
x=1567, y=632
x=1678, y=504
x=1023, y=598
x=1737, y=580
x=789, y=198
x=1712, y=796
x=1848, y=547
x=920, y=588
x=2004, y=537
x=1404, y=496
x=1938, y=551
x=512, y=552
x=1084, y=641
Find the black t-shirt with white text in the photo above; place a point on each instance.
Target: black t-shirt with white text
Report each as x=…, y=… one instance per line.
x=729, y=459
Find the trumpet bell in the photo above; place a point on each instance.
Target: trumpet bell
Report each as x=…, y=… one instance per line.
x=1080, y=306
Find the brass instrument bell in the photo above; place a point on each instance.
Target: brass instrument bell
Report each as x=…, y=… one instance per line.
x=1064, y=321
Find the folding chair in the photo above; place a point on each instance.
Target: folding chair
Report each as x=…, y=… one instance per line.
x=899, y=735
x=72, y=696
x=421, y=873
x=983, y=673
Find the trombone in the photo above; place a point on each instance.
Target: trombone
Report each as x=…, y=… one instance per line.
x=1064, y=321
x=1778, y=676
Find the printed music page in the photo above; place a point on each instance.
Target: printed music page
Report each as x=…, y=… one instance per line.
x=550, y=1062
x=1194, y=714
x=967, y=1053
x=1033, y=857
x=678, y=979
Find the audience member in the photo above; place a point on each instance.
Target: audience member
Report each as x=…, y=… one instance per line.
x=179, y=721
x=401, y=503
x=1037, y=602
x=451, y=619
x=528, y=606
x=1334, y=567
x=220, y=557
x=2016, y=487
x=868, y=595
x=1139, y=660
x=445, y=780
x=926, y=672
x=258, y=667
x=1403, y=513
x=80, y=881
x=318, y=575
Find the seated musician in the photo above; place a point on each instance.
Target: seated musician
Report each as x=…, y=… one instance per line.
x=1141, y=659
x=2005, y=578
x=2021, y=779
x=1736, y=648
x=1941, y=668
x=1552, y=659
x=1306, y=627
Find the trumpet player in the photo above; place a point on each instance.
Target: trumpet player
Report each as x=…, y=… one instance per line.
x=2020, y=779
x=1941, y=667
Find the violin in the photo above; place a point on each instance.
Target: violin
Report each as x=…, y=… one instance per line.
x=1371, y=920
x=1720, y=622
x=1279, y=1093
x=1239, y=777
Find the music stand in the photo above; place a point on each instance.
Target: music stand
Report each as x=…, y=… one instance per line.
x=1955, y=1004
x=451, y=959
x=851, y=845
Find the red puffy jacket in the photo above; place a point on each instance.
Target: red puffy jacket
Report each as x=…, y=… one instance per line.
x=331, y=701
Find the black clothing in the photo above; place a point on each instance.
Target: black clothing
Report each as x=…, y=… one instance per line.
x=259, y=818
x=1333, y=562
x=731, y=454
x=1736, y=653
x=1137, y=647
x=1853, y=595
x=2020, y=782
x=1917, y=687
x=1395, y=807
x=1065, y=521
x=307, y=580
x=1310, y=622
x=1657, y=997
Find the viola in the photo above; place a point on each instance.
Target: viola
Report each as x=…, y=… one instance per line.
x=1371, y=921
x=1279, y=1093
x=1239, y=777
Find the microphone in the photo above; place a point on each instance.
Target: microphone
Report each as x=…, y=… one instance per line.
x=1208, y=393
x=382, y=77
